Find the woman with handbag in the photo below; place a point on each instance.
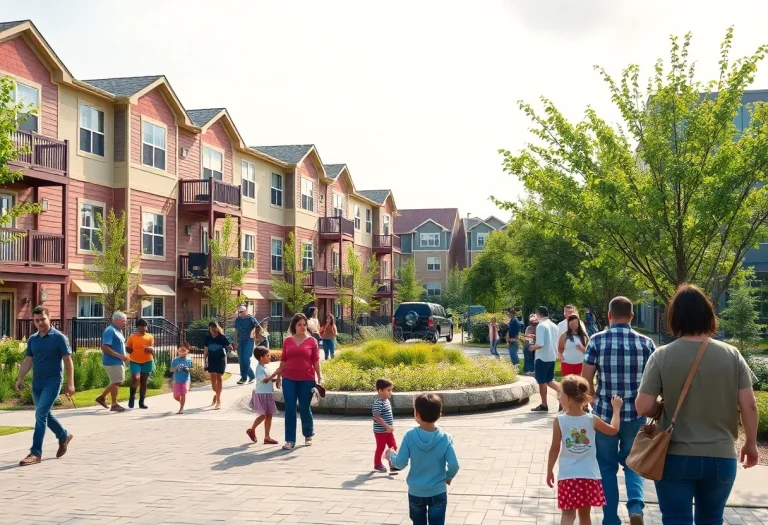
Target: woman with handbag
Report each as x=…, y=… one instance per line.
x=704, y=384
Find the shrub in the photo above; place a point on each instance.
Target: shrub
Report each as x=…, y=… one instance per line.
x=95, y=375
x=372, y=333
x=197, y=330
x=275, y=355
x=379, y=354
x=11, y=354
x=26, y=394
x=480, y=322
x=157, y=379
x=759, y=367
x=344, y=339
x=762, y=411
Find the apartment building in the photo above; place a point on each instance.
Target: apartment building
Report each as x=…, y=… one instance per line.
x=129, y=145
x=477, y=231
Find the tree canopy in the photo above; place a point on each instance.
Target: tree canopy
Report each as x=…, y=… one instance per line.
x=408, y=288
x=290, y=286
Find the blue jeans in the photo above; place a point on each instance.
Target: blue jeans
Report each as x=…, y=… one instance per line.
x=708, y=481
x=44, y=396
x=244, y=353
x=329, y=348
x=612, y=451
x=300, y=391
x=513, y=346
x=528, y=358
x=494, y=344
x=427, y=511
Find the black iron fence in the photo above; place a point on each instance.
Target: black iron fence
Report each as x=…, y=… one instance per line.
x=278, y=327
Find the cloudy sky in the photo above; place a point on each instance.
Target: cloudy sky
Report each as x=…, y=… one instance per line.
x=416, y=95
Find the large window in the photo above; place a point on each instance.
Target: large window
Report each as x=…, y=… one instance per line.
x=429, y=240
x=153, y=146
x=90, y=306
x=338, y=205
x=91, y=216
x=433, y=289
x=249, y=249
x=368, y=224
x=152, y=307
x=153, y=234
x=91, y=130
x=386, y=224
x=249, y=180
x=277, y=255
x=481, y=240
x=275, y=308
x=307, y=195
x=29, y=97
x=433, y=264
x=335, y=261
x=357, y=217
x=276, y=193
x=307, y=256
x=213, y=164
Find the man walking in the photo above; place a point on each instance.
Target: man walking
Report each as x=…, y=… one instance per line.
x=112, y=358
x=619, y=355
x=244, y=325
x=545, y=353
x=46, y=350
x=514, y=328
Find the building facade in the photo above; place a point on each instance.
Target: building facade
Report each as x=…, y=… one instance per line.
x=476, y=231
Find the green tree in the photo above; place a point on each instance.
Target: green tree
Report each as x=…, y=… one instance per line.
x=488, y=277
x=409, y=288
x=357, y=288
x=290, y=286
x=227, y=272
x=110, y=270
x=673, y=192
x=739, y=318
x=454, y=295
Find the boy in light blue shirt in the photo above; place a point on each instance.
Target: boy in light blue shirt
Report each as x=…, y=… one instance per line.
x=433, y=462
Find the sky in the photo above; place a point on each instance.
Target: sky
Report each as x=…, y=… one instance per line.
x=416, y=96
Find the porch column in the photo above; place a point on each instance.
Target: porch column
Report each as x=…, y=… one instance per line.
x=36, y=198
x=65, y=223
x=63, y=310
x=211, y=236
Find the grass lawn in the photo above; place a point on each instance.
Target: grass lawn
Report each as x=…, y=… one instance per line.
x=7, y=431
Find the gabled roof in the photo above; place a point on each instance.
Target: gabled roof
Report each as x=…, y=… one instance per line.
x=377, y=196
x=60, y=72
x=290, y=154
x=201, y=117
x=8, y=25
x=333, y=170
x=409, y=220
x=123, y=87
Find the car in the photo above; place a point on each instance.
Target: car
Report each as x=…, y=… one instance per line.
x=426, y=321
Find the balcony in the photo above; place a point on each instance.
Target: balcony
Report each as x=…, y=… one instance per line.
x=193, y=268
x=336, y=229
x=206, y=195
x=44, y=161
x=323, y=282
x=386, y=243
x=31, y=252
x=386, y=287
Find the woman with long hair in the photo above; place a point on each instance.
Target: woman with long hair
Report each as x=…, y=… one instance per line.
x=328, y=334
x=572, y=345
x=260, y=336
x=300, y=370
x=313, y=324
x=215, y=354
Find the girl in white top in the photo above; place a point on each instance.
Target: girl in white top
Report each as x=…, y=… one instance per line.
x=573, y=439
x=262, y=399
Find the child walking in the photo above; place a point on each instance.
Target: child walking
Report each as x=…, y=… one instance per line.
x=383, y=424
x=433, y=462
x=180, y=367
x=573, y=438
x=263, y=397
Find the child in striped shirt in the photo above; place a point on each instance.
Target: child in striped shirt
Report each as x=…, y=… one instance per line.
x=383, y=421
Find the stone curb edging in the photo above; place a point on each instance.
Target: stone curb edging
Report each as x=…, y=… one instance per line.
x=467, y=400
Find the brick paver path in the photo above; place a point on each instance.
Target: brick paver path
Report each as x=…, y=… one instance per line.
x=150, y=466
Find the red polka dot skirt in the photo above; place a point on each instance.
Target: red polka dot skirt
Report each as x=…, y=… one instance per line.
x=578, y=493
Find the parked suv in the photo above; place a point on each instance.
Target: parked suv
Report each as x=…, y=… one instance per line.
x=422, y=321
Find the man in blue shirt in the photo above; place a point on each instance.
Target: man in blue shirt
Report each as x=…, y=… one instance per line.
x=514, y=328
x=46, y=350
x=244, y=325
x=112, y=358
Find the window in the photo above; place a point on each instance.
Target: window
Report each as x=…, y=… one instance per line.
x=338, y=205
x=433, y=289
x=337, y=310
x=249, y=180
x=384, y=269
x=307, y=256
x=429, y=240
x=90, y=306
x=275, y=308
x=276, y=194
x=368, y=224
x=6, y=203
x=335, y=261
x=204, y=239
x=213, y=164
x=91, y=130
x=357, y=217
x=249, y=249
x=433, y=264
x=250, y=307
x=152, y=307
x=277, y=255
x=29, y=98
x=153, y=147
x=207, y=311
x=481, y=239
x=153, y=236
x=307, y=195
x=386, y=225
x=91, y=216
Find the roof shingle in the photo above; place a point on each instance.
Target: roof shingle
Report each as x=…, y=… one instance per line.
x=123, y=87
x=291, y=154
x=333, y=170
x=201, y=117
x=411, y=219
x=377, y=196
x=7, y=25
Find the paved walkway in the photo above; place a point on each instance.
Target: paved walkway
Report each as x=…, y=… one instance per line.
x=152, y=466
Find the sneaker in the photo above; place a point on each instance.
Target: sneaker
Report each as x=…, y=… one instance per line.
x=250, y=381
x=241, y=382
x=63, y=445
x=251, y=434
x=392, y=468
x=30, y=460
x=636, y=519
x=117, y=408
x=380, y=468
x=289, y=445
x=103, y=402
x=540, y=408
x=308, y=442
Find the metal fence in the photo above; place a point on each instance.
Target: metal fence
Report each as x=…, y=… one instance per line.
x=278, y=327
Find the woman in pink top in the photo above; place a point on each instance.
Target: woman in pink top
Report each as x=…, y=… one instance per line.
x=299, y=365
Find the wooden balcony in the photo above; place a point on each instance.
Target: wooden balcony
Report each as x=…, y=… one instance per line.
x=193, y=268
x=32, y=253
x=386, y=287
x=203, y=196
x=336, y=229
x=323, y=282
x=44, y=161
x=386, y=244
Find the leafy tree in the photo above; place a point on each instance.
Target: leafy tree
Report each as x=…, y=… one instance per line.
x=290, y=285
x=488, y=277
x=110, y=270
x=409, y=288
x=739, y=318
x=357, y=289
x=454, y=296
x=673, y=192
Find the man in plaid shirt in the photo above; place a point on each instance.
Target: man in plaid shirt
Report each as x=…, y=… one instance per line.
x=619, y=355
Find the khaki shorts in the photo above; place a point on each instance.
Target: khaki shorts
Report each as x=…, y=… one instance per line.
x=116, y=373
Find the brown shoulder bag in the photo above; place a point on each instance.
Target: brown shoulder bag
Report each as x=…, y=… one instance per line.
x=649, y=451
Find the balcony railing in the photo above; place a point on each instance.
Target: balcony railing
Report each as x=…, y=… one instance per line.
x=386, y=243
x=386, y=287
x=31, y=248
x=336, y=226
x=210, y=191
x=194, y=266
x=40, y=151
x=323, y=279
